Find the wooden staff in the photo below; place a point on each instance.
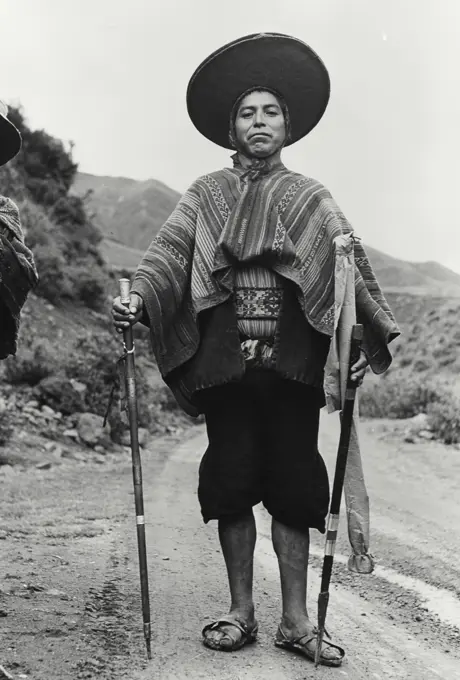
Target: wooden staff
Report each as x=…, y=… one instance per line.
x=339, y=478
x=131, y=398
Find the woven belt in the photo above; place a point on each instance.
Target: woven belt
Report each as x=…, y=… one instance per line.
x=258, y=303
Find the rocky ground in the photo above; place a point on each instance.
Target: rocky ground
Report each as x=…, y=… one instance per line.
x=69, y=587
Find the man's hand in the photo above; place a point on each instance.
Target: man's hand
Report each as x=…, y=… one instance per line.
x=359, y=369
x=123, y=317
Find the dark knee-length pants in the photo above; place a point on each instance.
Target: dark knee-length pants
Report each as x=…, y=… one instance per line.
x=263, y=447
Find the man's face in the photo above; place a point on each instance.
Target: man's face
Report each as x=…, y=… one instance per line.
x=259, y=125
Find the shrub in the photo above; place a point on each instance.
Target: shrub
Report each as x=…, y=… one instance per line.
x=405, y=361
x=69, y=265
x=89, y=285
x=403, y=396
x=31, y=365
x=93, y=363
x=51, y=267
x=423, y=364
x=399, y=396
x=37, y=227
x=6, y=426
x=12, y=181
x=444, y=420
x=46, y=165
x=166, y=400
x=58, y=392
x=57, y=226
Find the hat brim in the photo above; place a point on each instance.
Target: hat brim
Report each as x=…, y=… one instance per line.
x=273, y=60
x=10, y=140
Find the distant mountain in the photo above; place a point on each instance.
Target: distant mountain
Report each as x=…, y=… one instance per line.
x=126, y=210
x=130, y=213
x=423, y=278
x=437, y=271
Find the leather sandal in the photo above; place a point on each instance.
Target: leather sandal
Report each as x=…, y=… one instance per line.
x=248, y=636
x=300, y=646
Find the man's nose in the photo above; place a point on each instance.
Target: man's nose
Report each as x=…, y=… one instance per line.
x=259, y=118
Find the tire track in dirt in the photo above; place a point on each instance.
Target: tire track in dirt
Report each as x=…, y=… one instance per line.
x=107, y=623
x=111, y=624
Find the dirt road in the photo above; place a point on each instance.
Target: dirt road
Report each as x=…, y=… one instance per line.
x=69, y=593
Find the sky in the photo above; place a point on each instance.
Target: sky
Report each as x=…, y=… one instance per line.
x=111, y=77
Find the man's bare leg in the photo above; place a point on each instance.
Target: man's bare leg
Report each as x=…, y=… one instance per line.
x=237, y=539
x=292, y=549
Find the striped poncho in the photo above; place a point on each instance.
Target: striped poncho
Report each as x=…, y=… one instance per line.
x=283, y=221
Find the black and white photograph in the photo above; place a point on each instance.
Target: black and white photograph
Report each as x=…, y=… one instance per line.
x=229, y=340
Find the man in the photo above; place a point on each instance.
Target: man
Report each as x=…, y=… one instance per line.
x=17, y=268
x=238, y=291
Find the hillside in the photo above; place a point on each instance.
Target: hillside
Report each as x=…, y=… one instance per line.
x=430, y=339
x=129, y=213
x=65, y=367
x=119, y=256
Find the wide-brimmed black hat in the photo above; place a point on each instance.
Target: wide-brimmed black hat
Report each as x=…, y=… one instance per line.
x=273, y=60
x=10, y=139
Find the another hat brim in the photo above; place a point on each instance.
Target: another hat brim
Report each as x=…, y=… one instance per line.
x=273, y=60
x=10, y=140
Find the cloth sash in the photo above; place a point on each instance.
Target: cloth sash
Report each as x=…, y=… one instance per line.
x=336, y=371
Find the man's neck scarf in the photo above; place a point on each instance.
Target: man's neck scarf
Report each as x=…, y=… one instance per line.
x=252, y=234
x=258, y=167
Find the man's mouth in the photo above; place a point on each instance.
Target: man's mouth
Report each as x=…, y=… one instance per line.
x=260, y=134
